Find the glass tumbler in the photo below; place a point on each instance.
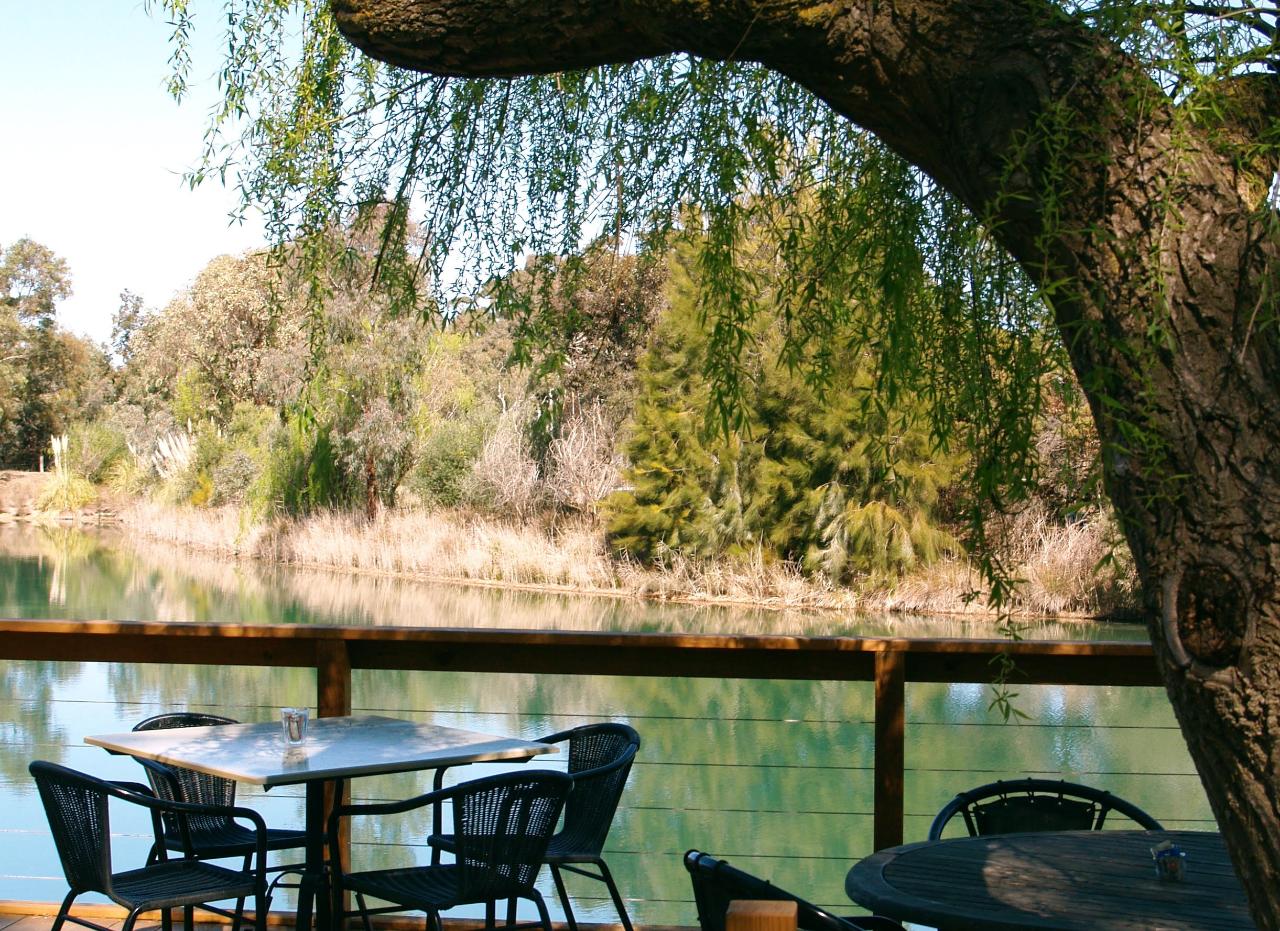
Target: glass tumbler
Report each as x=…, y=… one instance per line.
x=293, y=722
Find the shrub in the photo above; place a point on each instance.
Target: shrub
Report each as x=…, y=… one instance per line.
x=64, y=490
x=506, y=474
x=445, y=459
x=233, y=477
x=94, y=449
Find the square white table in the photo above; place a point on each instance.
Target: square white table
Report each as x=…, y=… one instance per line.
x=335, y=749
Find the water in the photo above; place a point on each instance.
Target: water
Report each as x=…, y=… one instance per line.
x=774, y=775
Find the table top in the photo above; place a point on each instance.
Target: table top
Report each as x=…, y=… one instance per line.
x=335, y=748
x=1097, y=880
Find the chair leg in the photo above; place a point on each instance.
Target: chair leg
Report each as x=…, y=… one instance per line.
x=543, y=915
x=188, y=918
x=130, y=919
x=614, y=894
x=244, y=868
x=166, y=919
x=364, y=911
x=238, y=915
x=261, y=909
x=63, y=910
x=511, y=912
x=564, y=897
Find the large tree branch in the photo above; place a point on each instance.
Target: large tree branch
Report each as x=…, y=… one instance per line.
x=1158, y=265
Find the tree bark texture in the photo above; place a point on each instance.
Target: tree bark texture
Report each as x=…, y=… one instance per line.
x=1147, y=236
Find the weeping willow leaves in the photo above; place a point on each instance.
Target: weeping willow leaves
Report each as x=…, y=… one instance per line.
x=495, y=171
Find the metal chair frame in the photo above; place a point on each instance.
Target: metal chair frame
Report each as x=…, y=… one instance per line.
x=716, y=883
x=76, y=805
x=1040, y=804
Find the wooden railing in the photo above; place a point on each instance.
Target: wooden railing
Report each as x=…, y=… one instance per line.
x=335, y=651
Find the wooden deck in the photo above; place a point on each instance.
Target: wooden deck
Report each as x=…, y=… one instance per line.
x=45, y=922
x=113, y=919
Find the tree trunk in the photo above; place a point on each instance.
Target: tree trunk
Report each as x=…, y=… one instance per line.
x=1151, y=238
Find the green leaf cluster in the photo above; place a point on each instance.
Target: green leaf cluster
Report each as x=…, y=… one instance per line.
x=823, y=475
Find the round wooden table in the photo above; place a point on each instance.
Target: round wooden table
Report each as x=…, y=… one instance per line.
x=1095, y=880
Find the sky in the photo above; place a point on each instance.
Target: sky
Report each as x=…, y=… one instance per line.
x=93, y=150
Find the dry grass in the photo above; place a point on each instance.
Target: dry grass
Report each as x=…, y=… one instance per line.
x=1079, y=569
x=1057, y=564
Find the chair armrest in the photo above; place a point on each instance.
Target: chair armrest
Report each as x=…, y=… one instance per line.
x=135, y=787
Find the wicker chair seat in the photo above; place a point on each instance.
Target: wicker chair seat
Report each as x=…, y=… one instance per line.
x=504, y=823
x=176, y=883
x=423, y=888
x=213, y=839
x=600, y=758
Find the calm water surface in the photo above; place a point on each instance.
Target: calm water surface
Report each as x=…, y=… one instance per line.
x=775, y=775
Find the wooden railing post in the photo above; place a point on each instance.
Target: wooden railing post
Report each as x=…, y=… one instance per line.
x=333, y=699
x=333, y=678
x=890, y=758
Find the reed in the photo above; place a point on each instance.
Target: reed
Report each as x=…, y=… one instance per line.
x=1057, y=564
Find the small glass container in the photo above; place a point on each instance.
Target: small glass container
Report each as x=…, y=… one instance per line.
x=1171, y=862
x=293, y=722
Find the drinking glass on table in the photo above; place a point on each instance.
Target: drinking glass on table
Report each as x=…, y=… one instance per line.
x=293, y=722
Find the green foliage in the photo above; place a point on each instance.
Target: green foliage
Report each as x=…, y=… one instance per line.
x=668, y=506
x=302, y=472
x=827, y=478
x=523, y=166
x=48, y=377
x=65, y=491
x=224, y=341
x=129, y=477
x=202, y=490
x=444, y=459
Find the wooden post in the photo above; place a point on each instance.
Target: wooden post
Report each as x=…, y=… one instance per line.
x=333, y=678
x=890, y=759
x=333, y=699
x=761, y=916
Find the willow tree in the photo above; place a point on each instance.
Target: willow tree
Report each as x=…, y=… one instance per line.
x=1113, y=157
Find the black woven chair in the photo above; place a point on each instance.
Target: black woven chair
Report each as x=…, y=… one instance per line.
x=502, y=825
x=600, y=757
x=76, y=805
x=716, y=884
x=207, y=838
x=1016, y=806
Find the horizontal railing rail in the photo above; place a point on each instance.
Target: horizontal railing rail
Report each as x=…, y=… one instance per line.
x=335, y=651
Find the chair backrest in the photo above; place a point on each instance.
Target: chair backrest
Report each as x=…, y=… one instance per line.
x=502, y=825
x=76, y=806
x=187, y=785
x=716, y=884
x=600, y=757
x=1020, y=805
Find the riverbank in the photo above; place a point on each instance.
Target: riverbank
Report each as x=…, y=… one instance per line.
x=1058, y=567
x=20, y=496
